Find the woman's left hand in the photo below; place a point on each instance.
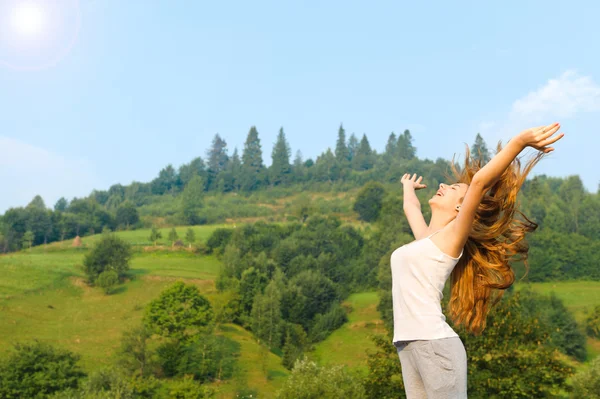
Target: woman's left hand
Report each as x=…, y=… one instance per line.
x=540, y=137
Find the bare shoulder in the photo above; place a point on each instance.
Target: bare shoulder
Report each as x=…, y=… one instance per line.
x=447, y=241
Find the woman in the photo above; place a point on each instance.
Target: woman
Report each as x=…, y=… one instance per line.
x=472, y=235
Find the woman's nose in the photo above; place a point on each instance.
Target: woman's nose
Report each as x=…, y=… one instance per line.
x=441, y=185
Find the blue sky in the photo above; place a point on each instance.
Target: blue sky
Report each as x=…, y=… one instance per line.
x=111, y=91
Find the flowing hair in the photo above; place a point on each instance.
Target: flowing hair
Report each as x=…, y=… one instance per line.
x=497, y=239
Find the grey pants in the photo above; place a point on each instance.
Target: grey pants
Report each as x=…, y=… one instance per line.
x=435, y=369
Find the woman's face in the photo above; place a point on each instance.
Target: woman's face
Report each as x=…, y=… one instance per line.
x=449, y=196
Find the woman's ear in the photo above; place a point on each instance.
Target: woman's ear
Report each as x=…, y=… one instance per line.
x=457, y=208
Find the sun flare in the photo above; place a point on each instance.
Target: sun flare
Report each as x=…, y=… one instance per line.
x=27, y=19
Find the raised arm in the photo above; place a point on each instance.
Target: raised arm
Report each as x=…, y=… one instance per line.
x=412, y=206
x=539, y=138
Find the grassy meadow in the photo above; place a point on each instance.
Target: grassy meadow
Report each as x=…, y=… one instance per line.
x=43, y=296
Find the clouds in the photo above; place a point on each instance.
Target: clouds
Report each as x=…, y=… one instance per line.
x=574, y=101
x=27, y=170
x=560, y=98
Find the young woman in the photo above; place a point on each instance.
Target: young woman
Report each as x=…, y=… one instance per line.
x=473, y=234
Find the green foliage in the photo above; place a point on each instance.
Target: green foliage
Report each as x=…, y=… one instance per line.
x=586, y=383
x=208, y=358
x=479, y=150
x=155, y=235
x=173, y=236
x=296, y=342
x=218, y=240
x=308, y=294
x=36, y=370
x=384, y=378
x=555, y=318
x=190, y=236
x=266, y=316
x=127, y=215
x=325, y=324
x=28, y=238
x=187, y=388
x=369, y=201
x=310, y=381
x=592, y=323
x=192, y=201
x=180, y=312
x=110, y=253
x=513, y=358
x=107, y=280
x=134, y=354
x=281, y=169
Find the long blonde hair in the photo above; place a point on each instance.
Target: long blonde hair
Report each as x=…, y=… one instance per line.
x=495, y=241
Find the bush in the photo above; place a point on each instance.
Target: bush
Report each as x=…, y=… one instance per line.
x=592, y=323
x=107, y=280
x=327, y=323
x=111, y=253
x=37, y=370
x=310, y=381
x=586, y=384
x=369, y=201
x=187, y=388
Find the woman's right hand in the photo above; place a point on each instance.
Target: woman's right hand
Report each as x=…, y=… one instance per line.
x=540, y=137
x=412, y=181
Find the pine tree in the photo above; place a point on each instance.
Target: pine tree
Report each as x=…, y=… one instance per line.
x=479, y=150
x=217, y=160
x=341, y=149
x=252, y=162
x=391, y=146
x=280, y=168
x=352, y=147
x=364, y=159
x=405, y=148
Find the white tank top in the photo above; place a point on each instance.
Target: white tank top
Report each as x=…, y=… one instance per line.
x=419, y=271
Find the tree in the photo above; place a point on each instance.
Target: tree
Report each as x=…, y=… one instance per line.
x=28, y=238
x=280, y=167
x=155, y=235
x=110, y=253
x=586, y=383
x=135, y=355
x=173, y=236
x=311, y=381
x=192, y=201
x=127, y=215
x=217, y=160
x=165, y=182
x=405, y=147
x=107, y=280
x=190, y=236
x=342, y=155
x=252, y=163
x=391, y=148
x=364, y=158
x=61, y=205
x=369, y=201
x=180, y=312
x=36, y=370
x=266, y=316
x=479, y=150
x=352, y=147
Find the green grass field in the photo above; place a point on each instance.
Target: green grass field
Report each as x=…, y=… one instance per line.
x=43, y=296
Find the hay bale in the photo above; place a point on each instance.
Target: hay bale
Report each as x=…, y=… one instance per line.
x=179, y=243
x=77, y=241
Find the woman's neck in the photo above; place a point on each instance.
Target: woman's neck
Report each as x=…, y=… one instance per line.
x=439, y=220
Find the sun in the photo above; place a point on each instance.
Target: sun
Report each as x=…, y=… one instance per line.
x=27, y=19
